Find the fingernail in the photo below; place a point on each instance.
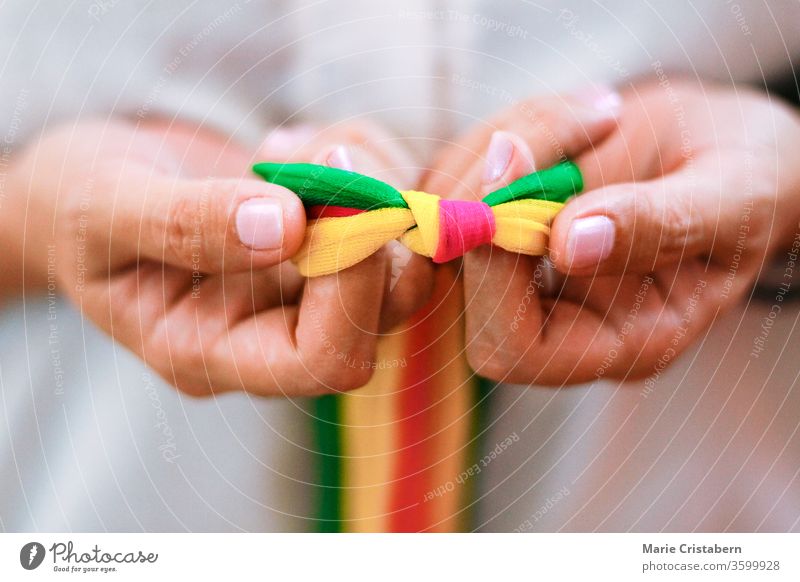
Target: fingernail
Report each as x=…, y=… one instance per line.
x=285, y=141
x=590, y=241
x=498, y=156
x=602, y=98
x=259, y=224
x=340, y=158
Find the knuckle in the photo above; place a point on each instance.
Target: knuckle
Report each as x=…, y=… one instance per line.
x=681, y=227
x=668, y=227
x=178, y=228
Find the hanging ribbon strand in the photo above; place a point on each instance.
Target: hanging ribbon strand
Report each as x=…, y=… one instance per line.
x=351, y=216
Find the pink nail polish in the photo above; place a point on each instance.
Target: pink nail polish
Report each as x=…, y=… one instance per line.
x=602, y=98
x=259, y=224
x=590, y=241
x=285, y=141
x=340, y=158
x=498, y=156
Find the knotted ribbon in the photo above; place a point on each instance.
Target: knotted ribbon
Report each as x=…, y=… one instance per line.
x=351, y=216
x=401, y=453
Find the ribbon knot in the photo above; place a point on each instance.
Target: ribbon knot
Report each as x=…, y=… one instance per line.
x=351, y=216
x=449, y=229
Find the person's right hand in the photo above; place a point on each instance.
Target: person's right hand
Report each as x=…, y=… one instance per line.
x=690, y=188
x=161, y=237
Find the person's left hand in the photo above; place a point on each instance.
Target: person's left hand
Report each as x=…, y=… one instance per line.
x=161, y=236
x=688, y=190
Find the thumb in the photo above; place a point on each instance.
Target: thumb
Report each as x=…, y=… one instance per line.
x=207, y=226
x=637, y=227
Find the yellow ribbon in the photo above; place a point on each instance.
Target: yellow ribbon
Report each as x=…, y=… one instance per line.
x=336, y=243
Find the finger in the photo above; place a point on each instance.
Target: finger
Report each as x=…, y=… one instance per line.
x=328, y=344
x=204, y=226
x=339, y=315
x=601, y=337
x=501, y=288
x=347, y=307
x=637, y=227
x=408, y=278
x=408, y=287
x=553, y=127
x=368, y=150
x=504, y=315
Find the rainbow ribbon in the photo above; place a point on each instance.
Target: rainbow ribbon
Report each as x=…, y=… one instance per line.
x=400, y=454
x=352, y=215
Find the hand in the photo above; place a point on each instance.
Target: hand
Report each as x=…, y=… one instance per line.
x=162, y=238
x=689, y=189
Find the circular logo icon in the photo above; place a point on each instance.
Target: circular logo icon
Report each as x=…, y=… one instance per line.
x=31, y=555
